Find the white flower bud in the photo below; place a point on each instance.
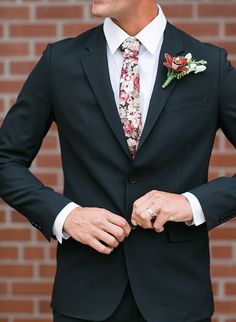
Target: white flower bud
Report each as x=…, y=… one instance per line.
x=200, y=69
x=188, y=56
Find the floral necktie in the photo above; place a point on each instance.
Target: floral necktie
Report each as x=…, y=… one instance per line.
x=129, y=108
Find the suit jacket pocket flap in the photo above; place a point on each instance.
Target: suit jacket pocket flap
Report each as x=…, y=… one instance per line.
x=174, y=105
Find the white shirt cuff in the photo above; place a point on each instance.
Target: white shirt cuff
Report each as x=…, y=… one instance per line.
x=60, y=220
x=198, y=215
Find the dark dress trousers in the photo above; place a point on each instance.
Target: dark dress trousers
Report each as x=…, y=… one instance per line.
x=168, y=271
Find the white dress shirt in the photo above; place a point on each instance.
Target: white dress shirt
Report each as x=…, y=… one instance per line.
x=151, y=38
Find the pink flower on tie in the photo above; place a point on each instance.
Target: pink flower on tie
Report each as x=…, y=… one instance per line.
x=128, y=129
x=123, y=97
x=137, y=83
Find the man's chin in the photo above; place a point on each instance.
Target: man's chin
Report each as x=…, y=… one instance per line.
x=98, y=12
x=101, y=8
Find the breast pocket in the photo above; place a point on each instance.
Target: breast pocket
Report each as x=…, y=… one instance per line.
x=189, y=103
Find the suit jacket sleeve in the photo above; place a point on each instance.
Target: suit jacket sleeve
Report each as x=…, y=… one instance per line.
x=21, y=136
x=218, y=197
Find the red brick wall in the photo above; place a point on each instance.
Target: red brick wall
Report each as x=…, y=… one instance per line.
x=27, y=261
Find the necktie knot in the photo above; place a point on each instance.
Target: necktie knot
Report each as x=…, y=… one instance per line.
x=130, y=47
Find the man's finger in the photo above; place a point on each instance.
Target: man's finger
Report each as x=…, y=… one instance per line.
x=119, y=221
x=143, y=200
x=108, y=239
x=100, y=247
x=142, y=222
x=159, y=223
x=116, y=231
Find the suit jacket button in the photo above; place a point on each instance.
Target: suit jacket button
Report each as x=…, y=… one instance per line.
x=132, y=179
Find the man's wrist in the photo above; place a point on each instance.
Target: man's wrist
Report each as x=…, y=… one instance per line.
x=60, y=220
x=198, y=214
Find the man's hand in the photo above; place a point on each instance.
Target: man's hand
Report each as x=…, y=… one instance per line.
x=163, y=206
x=96, y=227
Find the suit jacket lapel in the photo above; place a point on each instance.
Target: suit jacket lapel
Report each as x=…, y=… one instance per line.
x=95, y=65
x=172, y=44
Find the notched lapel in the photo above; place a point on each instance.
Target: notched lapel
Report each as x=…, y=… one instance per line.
x=172, y=44
x=95, y=66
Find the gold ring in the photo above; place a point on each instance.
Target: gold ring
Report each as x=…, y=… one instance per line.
x=151, y=214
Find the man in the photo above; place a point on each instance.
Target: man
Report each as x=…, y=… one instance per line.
x=132, y=223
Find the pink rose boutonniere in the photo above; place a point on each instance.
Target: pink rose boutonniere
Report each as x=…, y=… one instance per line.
x=180, y=66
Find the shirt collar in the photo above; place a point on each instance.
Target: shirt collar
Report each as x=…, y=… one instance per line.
x=150, y=36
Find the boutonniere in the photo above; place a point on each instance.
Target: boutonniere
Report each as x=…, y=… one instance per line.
x=180, y=66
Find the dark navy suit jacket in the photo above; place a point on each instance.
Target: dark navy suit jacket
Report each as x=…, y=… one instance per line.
x=169, y=271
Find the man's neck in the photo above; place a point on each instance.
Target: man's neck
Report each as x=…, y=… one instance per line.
x=133, y=24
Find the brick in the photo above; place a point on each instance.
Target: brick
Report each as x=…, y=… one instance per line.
x=223, y=270
x=49, y=161
x=230, y=29
x=59, y=12
x=14, y=49
x=1, y=68
x=1, y=30
x=40, y=237
x=40, y=47
x=12, y=101
x=200, y=29
x=215, y=288
x=230, y=288
x=21, y=68
x=225, y=306
x=50, y=142
x=229, y=173
x=44, y=307
x=1, y=103
x=3, y=288
x=223, y=160
x=213, y=175
x=49, y=179
x=229, y=46
x=8, y=253
x=33, y=253
x=10, y=86
x=53, y=252
x=16, y=306
x=32, y=288
x=16, y=270
x=217, y=10
x=221, y=252
x=225, y=233
x=11, y=234
x=14, y=12
x=47, y=270
x=53, y=127
x=16, y=217
x=76, y=29
x=33, y=30
x=2, y=217
x=177, y=11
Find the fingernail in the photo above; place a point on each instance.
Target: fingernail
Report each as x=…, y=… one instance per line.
x=134, y=222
